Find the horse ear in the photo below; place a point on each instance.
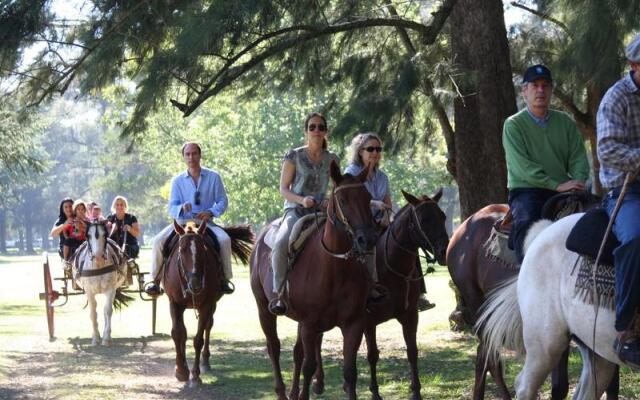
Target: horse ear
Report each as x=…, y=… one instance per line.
x=436, y=197
x=411, y=199
x=363, y=174
x=334, y=172
x=179, y=229
x=202, y=228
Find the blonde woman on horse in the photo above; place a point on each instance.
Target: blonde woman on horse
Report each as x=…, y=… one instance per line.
x=304, y=179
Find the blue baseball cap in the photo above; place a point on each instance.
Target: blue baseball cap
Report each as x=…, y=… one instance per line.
x=536, y=72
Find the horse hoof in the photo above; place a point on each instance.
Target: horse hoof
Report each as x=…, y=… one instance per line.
x=95, y=341
x=205, y=367
x=195, y=382
x=182, y=375
x=107, y=343
x=317, y=387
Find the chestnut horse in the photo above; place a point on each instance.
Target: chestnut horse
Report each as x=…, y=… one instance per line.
x=192, y=280
x=418, y=225
x=475, y=274
x=328, y=283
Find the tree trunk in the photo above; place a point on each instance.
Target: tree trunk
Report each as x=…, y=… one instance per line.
x=480, y=50
x=3, y=231
x=28, y=229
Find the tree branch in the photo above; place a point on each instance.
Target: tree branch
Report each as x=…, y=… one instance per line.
x=567, y=102
x=542, y=15
x=228, y=73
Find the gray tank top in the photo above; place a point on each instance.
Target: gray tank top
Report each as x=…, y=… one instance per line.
x=310, y=179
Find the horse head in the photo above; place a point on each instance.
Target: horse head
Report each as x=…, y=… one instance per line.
x=97, y=241
x=191, y=255
x=428, y=228
x=349, y=207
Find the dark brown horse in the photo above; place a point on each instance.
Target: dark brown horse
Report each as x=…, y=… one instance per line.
x=475, y=274
x=419, y=224
x=192, y=280
x=328, y=282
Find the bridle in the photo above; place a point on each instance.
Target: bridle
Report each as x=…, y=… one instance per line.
x=423, y=239
x=104, y=240
x=339, y=220
x=185, y=275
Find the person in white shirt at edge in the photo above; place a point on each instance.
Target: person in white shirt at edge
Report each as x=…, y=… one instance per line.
x=198, y=194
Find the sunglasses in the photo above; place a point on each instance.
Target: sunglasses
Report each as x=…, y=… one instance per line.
x=371, y=149
x=197, y=199
x=320, y=127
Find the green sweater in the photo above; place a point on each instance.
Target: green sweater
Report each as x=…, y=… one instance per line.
x=540, y=157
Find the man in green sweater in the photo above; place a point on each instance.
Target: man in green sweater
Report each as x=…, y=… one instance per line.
x=545, y=155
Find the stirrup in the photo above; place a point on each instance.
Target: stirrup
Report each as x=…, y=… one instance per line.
x=227, y=287
x=153, y=289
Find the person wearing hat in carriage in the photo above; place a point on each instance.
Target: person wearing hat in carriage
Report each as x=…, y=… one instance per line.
x=618, y=134
x=123, y=226
x=196, y=194
x=545, y=155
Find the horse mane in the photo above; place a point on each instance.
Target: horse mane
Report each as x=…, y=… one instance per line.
x=534, y=231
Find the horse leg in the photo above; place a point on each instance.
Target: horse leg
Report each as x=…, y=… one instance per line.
x=543, y=352
x=318, y=377
x=205, y=366
x=91, y=300
x=198, y=343
x=298, y=356
x=409, y=329
x=179, y=335
x=497, y=372
x=614, y=386
x=269, y=327
x=560, y=378
x=108, y=311
x=373, y=354
x=605, y=370
x=352, y=337
x=481, y=373
x=309, y=342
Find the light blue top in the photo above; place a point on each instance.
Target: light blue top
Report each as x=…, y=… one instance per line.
x=378, y=185
x=213, y=197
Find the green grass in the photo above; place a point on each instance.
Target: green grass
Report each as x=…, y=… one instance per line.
x=140, y=365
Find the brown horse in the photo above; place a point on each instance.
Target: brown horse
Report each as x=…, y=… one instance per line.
x=475, y=274
x=328, y=282
x=192, y=280
x=418, y=225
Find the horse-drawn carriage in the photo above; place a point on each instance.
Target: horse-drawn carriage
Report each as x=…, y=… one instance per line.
x=127, y=277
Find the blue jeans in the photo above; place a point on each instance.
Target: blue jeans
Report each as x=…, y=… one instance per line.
x=626, y=256
x=526, y=207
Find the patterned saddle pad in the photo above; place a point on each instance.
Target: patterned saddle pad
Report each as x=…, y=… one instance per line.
x=604, y=283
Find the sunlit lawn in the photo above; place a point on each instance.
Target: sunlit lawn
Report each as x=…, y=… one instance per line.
x=140, y=365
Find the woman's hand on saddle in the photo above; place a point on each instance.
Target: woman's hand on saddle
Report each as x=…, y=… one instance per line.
x=308, y=202
x=379, y=204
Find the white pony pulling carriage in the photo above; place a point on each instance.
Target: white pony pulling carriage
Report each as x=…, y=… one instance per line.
x=100, y=266
x=537, y=312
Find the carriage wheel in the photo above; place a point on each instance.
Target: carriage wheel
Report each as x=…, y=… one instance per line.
x=49, y=296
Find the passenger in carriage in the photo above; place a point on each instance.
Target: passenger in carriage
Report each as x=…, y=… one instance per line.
x=95, y=212
x=545, y=155
x=366, y=152
x=618, y=131
x=122, y=222
x=198, y=193
x=304, y=179
x=75, y=233
x=65, y=219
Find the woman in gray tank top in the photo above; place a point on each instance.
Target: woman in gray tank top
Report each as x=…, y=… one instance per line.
x=303, y=184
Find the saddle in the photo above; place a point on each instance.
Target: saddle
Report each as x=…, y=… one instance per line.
x=497, y=245
x=302, y=229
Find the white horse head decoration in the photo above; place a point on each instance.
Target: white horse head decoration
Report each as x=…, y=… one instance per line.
x=537, y=312
x=100, y=267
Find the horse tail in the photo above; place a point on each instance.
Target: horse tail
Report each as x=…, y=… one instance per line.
x=242, y=239
x=534, y=231
x=121, y=300
x=500, y=322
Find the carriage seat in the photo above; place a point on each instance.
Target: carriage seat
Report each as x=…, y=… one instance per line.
x=301, y=231
x=587, y=234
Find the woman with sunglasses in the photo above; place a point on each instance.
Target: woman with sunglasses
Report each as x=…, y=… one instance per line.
x=366, y=152
x=304, y=179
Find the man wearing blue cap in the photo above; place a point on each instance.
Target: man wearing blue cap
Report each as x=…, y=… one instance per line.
x=618, y=125
x=545, y=155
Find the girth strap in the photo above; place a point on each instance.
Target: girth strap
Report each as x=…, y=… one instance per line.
x=97, y=272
